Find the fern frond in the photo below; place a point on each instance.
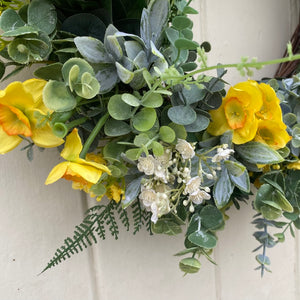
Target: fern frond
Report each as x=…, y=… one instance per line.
x=123, y=216
x=147, y=220
x=85, y=233
x=138, y=220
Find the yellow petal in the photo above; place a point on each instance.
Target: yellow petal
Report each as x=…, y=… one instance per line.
x=8, y=143
x=44, y=137
x=235, y=113
x=16, y=95
x=35, y=88
x=13, y=121
x=88, y=173
x=93, y=164
x=57, y=172
x=219, y=122
x=73, y=146
x=247, y=132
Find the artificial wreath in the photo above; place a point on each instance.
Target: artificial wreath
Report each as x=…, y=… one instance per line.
x=122, y=92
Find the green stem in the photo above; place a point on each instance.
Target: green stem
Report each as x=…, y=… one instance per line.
x=76, y=122
x=93, y=135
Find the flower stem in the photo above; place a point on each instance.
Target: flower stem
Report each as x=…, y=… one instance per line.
x=93, y=135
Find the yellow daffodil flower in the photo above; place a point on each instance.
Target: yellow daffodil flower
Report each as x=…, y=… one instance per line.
x=19, y=103
x=114, y=192
x=238, y=112
x=294, y=166
x=272, y=133
x=82, y=172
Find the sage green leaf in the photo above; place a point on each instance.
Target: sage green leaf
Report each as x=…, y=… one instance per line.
x=113, y=47
x=258, y=153
x=270, y=213
x=125, y=75
x=179, y=130
x=133, y=154
x=98, y=189
x=282, y=201
x=138, y=80
x=21, y=31
x=189, y=10
x=190, y=265
x=223, y=189
x=182, y=115
x=187, y=33
x=181, y=22
x=10, y=20
x=152, y=100
x=130, y=100
x=114, y=127
x=107, y=76
x=145, y=119
x=92, y=50
x=234, y=168
x=141, y=61
x=89, y=86
x=141, y=140
x=264, y=193
x=203, y=239
x=188, y=67
x=242, y=182
x=183, y=43
x=172, y=34
x=157, y=148
x=167, y=134
x=133, y=48
x=166, y=226
x=118, y=109
x=52, y=71
x=57, y=97
x=42, y=14
x=211, y=217
x=200, y=124
x=132, y=191
x=194, y=94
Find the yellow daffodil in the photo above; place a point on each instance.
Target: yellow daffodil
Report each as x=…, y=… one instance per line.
x=272, y=133
x=82, y=172
x=237, y=112
x=19, y=103
x=270, y=109
x=114, y=192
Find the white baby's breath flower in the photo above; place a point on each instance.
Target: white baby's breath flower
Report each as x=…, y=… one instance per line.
x=185, y=149
x=198, y=196
x=146, y=164
x=192, y=185
x=148, y=196
x=222, y=154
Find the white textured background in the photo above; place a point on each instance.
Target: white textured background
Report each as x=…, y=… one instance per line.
x=34, y=218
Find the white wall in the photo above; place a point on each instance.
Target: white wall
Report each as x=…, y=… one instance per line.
x=35, y=219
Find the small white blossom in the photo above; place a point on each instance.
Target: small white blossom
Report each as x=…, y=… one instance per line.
x=198, y=196
x=146, y=164
x=223, y=154
x=185, y=149
x=192, y=185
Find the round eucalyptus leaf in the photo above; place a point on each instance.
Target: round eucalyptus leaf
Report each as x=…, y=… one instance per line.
x=141, y=139
x=118, y=109
x=188, y=33
x=85, y=24
x=114, y=127
x=131, y=100
x=89, y=86
x=167, y=134
x=270, y=213
x=57, y=96
x=179, y=130
x=182, y=115
x=145, y=119
x=183, y=43
x=203, y=239
x=152, y=100
x=125, y=75
x=133, y=154
x=190, y=265
x=113, y=150
x=211, y=217
x=52, y=71
x=157, y=148
x=200, y=124
x=181, y=22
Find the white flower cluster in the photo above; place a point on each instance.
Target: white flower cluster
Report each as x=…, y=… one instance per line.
x=168, y=177
x=223, y=153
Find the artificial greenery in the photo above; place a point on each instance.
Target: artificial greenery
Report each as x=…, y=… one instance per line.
x=122, y=91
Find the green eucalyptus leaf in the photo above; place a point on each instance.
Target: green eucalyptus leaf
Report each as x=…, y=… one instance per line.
x=172, y=34
x=189, y=10
x=181, y=22
x=133, y=48
x=190, y=265
x=98, y=189
x=258, y=153
x=113, y=47
x=10, y=20
x=113, y=150
x=188, y=33
x=203, y=239
x=242, y=182
x=57, y=97
x=152, y=100
x=118, y=109
x=182, y=115
x=141, y=139
x=21, y=31
x=107, y=76
x=281, y=200
x=157, y=148
x=179, y=130
x=89, y=86
x=130, y=100
x=188, y=67
x=132, y=191
x=42, y=14
x=133, y=154
x=270, y=213
x=167, y=134
x=114, y=127
x=183, y=43
x=145, y=119
x=234, y=168
x=200, y=124
x=211, y=217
